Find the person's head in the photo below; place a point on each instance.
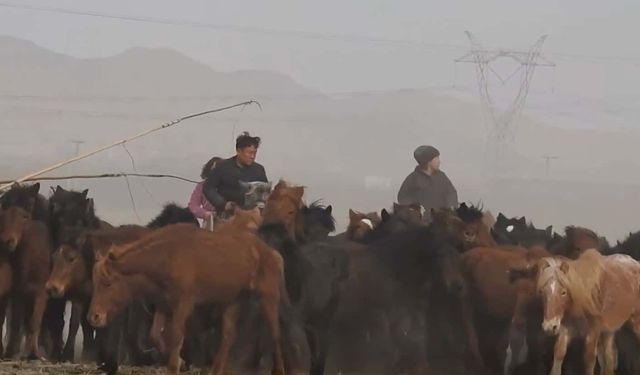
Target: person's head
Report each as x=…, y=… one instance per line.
x=428, y=157
x=208, y=166
x=247, y=148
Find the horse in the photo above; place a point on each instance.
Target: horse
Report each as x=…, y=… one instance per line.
x=577, y=240
x=591, y=297
x=172, y=213
x=520, y=233
x=360, y=224
x=27, y=243
x=70, y=212
x=71, y=276
x=180, y=266
x=249, y=220
x=27, y=197
x=466, y=224
x=492, y=299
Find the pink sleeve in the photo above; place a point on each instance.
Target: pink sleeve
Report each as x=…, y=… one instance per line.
x=196, y=204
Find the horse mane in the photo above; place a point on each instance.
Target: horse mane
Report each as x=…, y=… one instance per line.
x=581, y=278
x=316, y=213
x=171, y=214
x=629, y=246
x=470, y=214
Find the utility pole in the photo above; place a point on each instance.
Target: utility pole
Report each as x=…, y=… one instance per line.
x=77, y=144
x=501, y=124
x=547, y=162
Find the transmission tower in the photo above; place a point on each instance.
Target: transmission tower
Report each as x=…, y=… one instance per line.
x=501, y=123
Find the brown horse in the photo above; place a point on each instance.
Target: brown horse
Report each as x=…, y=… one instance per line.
x=593, y=297
x=360, y=224
x=468, y=224
x=577, y=240
x=249, y=220
x=180, y=266
x=490, y=293
x=28, y=243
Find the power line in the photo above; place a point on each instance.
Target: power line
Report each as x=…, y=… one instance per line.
x=297, y=33
x=235, y=28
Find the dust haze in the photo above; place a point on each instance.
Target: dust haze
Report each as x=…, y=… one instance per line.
x=347, y=90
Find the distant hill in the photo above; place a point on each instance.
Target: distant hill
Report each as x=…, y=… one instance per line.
x=334, y=145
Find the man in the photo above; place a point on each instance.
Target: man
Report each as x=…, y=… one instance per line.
x=222, y=187
x=427, y=185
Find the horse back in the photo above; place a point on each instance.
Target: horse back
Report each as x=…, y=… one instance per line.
x=33, y=255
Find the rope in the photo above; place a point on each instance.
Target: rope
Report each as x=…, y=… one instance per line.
x=122, y=141
x=104, y=175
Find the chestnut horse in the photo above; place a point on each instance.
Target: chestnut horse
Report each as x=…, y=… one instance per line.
x=28, y=244
x=179, y=266
x=592, y=297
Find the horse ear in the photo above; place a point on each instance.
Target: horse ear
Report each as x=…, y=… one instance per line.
x=549, y=230
x=501, y=218
x=85, y=192
x=328, y=209
x=298, y=192
x=35, y=188
x=522, y=221
x=88, y=205
x=384, y=215
x=463, y=205
x=352, y=215
x=564, y=266
x=59, y=189
x=53, y=190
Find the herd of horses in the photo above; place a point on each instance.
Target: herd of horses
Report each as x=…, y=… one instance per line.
x=274, y=287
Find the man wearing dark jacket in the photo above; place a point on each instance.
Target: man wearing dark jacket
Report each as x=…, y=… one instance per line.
x=427, y=185
x=222, y=185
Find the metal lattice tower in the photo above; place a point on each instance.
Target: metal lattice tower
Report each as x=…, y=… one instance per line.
x=501, y=124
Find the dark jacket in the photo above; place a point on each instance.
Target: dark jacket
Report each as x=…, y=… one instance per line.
x=222, y=185
x=435, y=191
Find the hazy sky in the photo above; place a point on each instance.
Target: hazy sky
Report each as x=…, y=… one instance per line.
x=581, y=34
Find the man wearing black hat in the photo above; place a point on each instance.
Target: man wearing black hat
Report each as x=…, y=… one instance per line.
x=427, y=185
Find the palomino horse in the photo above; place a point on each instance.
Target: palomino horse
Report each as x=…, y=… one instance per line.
x=180, y=266
x=28, y=243
x=591, y=297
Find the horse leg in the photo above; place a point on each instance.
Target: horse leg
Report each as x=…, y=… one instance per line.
x=155, y=334
x=3, y=310
x=591, y=351
x=35, y=320
x=607, y=354
x=177, y=327
x=517, y=348
x=74, y=324
x=229, y=319
x=270, y=301
x=16, y=309
x=473, y=345
x=110, y=345
x=88, y=336
x=560, y=350
x=53, y=322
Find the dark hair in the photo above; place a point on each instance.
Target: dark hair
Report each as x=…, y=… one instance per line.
x=208, y=166
x=245, y=140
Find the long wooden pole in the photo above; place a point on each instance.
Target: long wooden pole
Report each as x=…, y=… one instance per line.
x=122, y=141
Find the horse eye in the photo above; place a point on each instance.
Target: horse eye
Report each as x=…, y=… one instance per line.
x=564, y=293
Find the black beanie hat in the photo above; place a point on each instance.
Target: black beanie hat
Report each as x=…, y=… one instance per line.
x=425, y=154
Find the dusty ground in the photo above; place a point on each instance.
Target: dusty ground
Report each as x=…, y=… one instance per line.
x=39, y=368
